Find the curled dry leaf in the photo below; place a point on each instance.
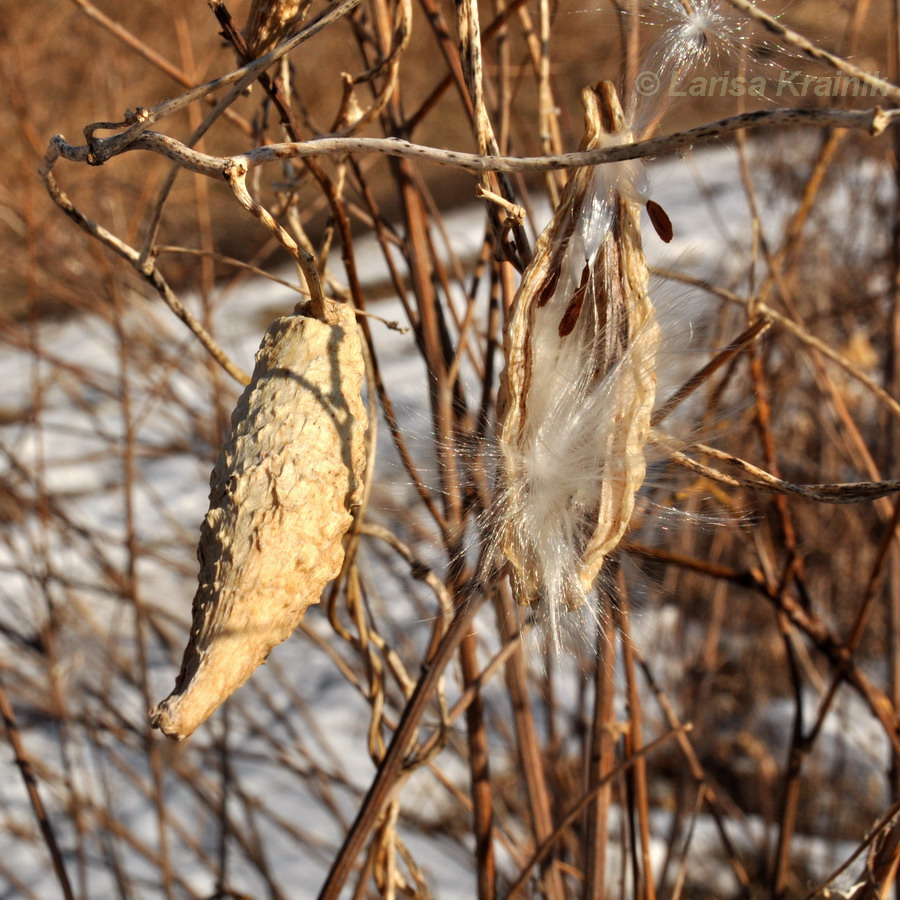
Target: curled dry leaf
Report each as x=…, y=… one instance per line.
x=279, y=507
x=580, y=380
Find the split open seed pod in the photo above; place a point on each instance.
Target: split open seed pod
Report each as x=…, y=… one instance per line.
x=580, y=379
x=280, y=502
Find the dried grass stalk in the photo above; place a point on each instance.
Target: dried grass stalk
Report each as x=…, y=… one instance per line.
x=280, y=504
x=580, y=381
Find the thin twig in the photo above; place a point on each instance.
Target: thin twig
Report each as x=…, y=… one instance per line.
x=148, y=271
x=795, y=39
x=31, y=787
x=852, y=492
x=386, y=779
x=578, y=808
x=798, y=331
x=875, y=121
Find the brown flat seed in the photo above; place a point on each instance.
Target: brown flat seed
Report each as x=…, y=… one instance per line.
x=661, y=222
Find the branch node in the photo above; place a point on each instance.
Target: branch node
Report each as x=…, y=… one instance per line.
x=880, y=121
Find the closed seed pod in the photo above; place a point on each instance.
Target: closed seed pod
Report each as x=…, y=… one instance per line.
x=269, y=22
x=280, y=504
x=579, y=384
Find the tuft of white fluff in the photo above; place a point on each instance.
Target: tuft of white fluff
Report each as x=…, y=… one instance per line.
x=690, y=38
x=579, y=384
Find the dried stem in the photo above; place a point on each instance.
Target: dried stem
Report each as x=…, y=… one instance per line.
x=26, y=770
x=875, y=121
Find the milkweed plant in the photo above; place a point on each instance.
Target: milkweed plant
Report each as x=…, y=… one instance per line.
x=567, y=536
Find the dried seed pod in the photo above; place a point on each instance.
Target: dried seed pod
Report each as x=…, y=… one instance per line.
x=579, y=383
x=269, y=22
x=279, y=506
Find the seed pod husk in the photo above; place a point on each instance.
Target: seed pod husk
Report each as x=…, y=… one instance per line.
x=579, y=384
x=268, y=23
x=280, y=502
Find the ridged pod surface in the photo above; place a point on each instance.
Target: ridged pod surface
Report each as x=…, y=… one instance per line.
x=280, y=504
x=580, y=380
x=269, y=22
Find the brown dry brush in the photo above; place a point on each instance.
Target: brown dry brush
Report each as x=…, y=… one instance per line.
x=421, y=720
